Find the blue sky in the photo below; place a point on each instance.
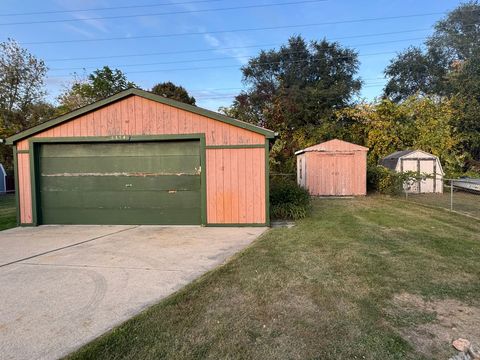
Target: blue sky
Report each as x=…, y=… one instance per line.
x=208, y=62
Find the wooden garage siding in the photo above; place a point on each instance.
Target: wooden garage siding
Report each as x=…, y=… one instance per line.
x=236, y=186
x=235, y=176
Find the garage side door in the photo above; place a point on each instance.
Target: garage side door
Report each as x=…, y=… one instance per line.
x=120, y=183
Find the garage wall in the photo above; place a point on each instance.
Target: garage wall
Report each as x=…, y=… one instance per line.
x=24, y=188
x=236, y=186
x=235, y=176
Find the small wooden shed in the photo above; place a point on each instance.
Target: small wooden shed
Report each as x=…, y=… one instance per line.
x=139, y=158
x=333, y=168
x=420, y=162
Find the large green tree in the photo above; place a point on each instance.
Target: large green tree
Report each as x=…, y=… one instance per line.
x=426, y=70
x=415, y=72
x=465, y=82
x=295, y=90
x=447, y=67
x=99, y=85
x=172, y=91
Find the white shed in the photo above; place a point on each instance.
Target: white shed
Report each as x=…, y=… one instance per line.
x=3, y=180
x=420, y=162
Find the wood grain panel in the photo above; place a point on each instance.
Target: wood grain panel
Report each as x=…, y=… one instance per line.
x=25, y=193
x=236, y=186
x=335, y=174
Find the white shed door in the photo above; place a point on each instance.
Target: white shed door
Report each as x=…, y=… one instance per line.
x=423, y=166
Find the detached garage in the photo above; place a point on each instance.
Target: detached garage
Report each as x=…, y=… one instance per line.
x=333, y=168
x=138, y=158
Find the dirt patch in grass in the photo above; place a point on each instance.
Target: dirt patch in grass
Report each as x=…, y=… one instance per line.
x=430, y=326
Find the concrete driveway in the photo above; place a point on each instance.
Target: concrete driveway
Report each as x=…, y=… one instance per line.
x=62, y=286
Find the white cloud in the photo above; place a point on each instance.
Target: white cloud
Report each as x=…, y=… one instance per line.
x=231, y=45
x=85, y=25
x=212, y=40
x=96, y=24
x=80, y=30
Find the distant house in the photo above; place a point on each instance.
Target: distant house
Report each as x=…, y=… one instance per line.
x=420, y=162
x=3, y=180
x=333, y=168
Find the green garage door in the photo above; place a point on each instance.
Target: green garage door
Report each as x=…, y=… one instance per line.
x=120, y=183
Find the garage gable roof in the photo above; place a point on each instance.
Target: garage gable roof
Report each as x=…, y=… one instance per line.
x=144, y=94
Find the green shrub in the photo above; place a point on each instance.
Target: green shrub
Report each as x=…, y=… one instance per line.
x=288, y=200
x=390, y=182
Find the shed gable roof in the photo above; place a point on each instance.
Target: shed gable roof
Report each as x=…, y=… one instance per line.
x=403, y=153
x=391, y=161
x=144, y=94
x=398, y=154
x=334, y=145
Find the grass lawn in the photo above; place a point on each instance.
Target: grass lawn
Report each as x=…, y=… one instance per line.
x=367, y=278
x=7, y=212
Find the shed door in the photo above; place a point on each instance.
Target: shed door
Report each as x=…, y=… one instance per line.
x=421, y=166
x=334, y=174
x=344, y=174
x=120, y=183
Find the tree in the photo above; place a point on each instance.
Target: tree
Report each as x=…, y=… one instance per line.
x=418, y=122
x=455, y=40
x=295, y=90
x=22, y=79
x=99, y=85
x=457, y=37
x=414, y=72
x=172, y=91
x=465, y=81
x=448, y=68
x=383, y=127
